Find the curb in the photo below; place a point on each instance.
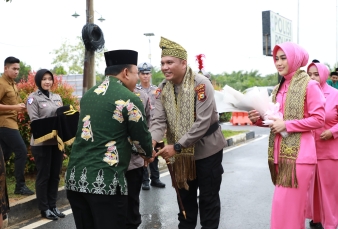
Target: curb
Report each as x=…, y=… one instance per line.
x=27, y=208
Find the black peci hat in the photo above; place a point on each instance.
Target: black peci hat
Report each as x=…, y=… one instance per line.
x=120, y=57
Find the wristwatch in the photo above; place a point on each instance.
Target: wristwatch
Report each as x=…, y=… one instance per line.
x=177, y=147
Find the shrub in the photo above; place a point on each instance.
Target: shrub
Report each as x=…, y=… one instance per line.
x=26, y=87
x=225, y=117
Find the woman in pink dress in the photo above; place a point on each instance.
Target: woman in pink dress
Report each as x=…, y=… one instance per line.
x=324, y=192
x=292, y=158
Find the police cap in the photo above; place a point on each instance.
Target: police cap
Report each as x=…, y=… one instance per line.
x=144, y=67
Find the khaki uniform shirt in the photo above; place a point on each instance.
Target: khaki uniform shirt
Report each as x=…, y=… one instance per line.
x=39, y=106
x=137, y=161
x=206, y=114
x=9, y=95
x=151, y=94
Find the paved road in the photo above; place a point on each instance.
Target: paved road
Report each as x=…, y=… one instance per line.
x=246, y=192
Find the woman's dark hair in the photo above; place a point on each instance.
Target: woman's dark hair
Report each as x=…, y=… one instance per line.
x=11, y=60
x=117, y=69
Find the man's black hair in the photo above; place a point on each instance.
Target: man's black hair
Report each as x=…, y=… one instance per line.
x=117, y=69
x=334, y=74
x=315, y=61
x=11, y=60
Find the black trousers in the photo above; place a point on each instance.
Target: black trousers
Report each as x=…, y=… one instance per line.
x=93, y=211
x=134, y=180
x=209, y=177
x=11, y=141
x=48, y=161
x=154, y=172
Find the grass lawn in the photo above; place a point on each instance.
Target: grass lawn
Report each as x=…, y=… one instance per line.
x=229, y=133
x=30, y=182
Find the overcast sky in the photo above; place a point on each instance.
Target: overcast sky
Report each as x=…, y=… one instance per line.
x=229, y=33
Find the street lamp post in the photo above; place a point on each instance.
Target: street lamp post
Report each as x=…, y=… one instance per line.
x=149, y=35
x=89, y=58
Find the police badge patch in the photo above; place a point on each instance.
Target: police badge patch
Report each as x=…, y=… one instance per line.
x=200, y=90
x=157, y=93
x=30, y=100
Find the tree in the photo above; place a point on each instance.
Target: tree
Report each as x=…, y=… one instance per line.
x=25, y=69
x=58, y=70
x=72, y=56
x=156, y=76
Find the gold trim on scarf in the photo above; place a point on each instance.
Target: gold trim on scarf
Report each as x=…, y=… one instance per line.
x=286, y=175
x=180, y=118
x=45, y=137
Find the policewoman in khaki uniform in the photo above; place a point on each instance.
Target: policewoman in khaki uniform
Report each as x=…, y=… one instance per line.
x=144, y=70
x=48, y=158
x=186, y=108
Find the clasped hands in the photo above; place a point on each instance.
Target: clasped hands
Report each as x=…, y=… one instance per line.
x=276, y=127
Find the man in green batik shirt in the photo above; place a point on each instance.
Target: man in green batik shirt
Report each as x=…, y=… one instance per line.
x=112, y=122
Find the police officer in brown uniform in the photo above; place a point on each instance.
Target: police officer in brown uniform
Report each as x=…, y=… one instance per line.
x=186, y=108
x=134, y=174
x=144, y=69
x=10, y=138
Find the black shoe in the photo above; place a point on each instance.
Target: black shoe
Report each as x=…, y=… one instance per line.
x=24, y=190
x=157, y=183
x=315, y=225
x=48, y=214
x=58, y=213
x=145, y=185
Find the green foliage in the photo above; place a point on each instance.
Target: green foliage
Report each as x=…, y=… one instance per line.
x=71, y=56
x=225, y=117
x=230, y=133
x=58, y=70
x=156, y=76
x=99, y=78
x=241, y=80
x=26, y=87
x=25, y=69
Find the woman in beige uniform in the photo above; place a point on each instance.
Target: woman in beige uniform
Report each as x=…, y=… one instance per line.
x=48, y=158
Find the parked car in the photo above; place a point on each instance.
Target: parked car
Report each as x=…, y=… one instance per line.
x=268, y=88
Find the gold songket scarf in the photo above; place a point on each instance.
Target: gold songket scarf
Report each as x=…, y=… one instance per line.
x=180, y=118
x=286, y=175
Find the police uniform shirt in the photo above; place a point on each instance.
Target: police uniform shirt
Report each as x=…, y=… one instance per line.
x=39, y=106
x=206, y=115
x=136, y=161
x=151, y=94
x=111, y=123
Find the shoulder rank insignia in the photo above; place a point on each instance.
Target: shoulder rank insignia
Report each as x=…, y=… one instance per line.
x=157, y=93
x=30, y=100
x=200, y=90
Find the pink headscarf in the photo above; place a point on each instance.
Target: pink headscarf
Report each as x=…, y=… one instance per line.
x=323, y=72
x=296, y=56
